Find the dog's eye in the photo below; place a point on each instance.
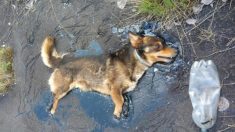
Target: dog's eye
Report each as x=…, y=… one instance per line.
x=157, y=47
x=152, y=48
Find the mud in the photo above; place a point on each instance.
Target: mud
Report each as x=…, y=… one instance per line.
x=160, y=101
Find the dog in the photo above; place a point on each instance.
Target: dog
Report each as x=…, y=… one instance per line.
x=111, y=74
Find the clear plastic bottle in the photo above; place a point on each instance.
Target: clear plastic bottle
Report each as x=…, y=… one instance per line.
x=204, y=92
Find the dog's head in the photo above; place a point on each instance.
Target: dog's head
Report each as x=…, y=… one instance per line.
x=152, y=49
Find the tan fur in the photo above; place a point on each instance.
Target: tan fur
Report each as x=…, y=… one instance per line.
x=50, y=57
x=112, y=74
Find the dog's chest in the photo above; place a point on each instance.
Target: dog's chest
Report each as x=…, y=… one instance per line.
x=132, y=86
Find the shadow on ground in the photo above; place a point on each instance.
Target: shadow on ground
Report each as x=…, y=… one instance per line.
x=160, y=102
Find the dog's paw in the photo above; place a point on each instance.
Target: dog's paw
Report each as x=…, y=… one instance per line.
x=51, y=115
x=116, y=116
x=52, y=112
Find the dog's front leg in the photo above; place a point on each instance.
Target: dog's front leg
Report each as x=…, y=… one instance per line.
x=118, y=101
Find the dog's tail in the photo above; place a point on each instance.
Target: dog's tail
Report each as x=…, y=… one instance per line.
x=50, y=57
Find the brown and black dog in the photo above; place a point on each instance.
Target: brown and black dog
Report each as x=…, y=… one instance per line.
x=112, y=74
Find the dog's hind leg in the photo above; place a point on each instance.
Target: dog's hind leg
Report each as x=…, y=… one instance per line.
x=56, y=99
x=59, y=85
x=118, y=100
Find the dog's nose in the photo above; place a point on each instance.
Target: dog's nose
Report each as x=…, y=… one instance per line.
x=176, y=51
x=174, y=47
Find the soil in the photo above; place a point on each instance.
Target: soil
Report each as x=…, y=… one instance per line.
x=160, y=102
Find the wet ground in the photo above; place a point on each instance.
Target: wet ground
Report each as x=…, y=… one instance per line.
x=160, y=102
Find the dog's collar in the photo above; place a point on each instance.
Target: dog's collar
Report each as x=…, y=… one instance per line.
x=142, y=61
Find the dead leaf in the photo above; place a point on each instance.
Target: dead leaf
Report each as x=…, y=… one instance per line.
x=121, y=3
x=177, y=23
x=223, y=104
x=198, y=8
x=30, y=4
x=206, y=2
x=191, y=21
x=212, y=5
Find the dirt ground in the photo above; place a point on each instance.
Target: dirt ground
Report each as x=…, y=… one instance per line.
x=160, y=103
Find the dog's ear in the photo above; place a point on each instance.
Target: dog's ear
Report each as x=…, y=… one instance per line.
x=136, y=40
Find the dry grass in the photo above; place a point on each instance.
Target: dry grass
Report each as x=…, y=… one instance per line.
x=207, y=35
x=6, y=70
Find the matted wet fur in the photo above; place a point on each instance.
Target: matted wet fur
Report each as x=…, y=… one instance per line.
x=112, y=74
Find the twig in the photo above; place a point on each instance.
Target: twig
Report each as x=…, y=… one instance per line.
x=116, y=17
x=232, y=116
x=211, y=14
x=231, y=125
x=221, y=51
x=199, y=23
x=230, y=5
x=131, y=16
x=182, y=46
x=227, y=74
x=227, y=84
x=56, y=18
x=230, y=42
x=185, y=34
x=224, y=129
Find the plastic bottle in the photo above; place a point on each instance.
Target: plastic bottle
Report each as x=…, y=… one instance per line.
x=204, y=92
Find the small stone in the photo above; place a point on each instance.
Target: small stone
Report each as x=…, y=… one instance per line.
x=155, y=70
x=114, y=30
x=120, y=30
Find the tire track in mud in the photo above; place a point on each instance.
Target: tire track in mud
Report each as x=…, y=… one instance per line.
x=26, y=53
x=30, y=65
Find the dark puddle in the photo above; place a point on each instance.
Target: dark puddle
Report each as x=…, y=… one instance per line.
x=42, y=107
x=151, y=93
x=93, y=49
x=100, y=109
